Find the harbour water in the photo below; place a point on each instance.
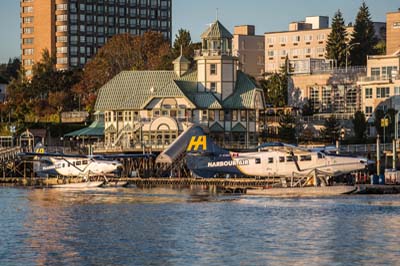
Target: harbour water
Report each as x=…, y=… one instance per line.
x=187, y=227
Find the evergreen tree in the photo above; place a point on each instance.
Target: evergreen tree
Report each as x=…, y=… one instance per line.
x=287, y=127
x=184, y=40
x=363, y=38
x=360, y=126
x=331, y=129
x=336, y=43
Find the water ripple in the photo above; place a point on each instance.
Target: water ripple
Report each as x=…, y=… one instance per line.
x=185, y=227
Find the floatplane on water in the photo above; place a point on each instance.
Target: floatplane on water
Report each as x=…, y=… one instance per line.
x=302, y=166
x=84, y=167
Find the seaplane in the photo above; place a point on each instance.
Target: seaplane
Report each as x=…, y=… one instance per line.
x=205, y=159
x=81, y=166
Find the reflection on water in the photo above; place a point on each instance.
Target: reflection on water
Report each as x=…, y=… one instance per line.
x=117, y=226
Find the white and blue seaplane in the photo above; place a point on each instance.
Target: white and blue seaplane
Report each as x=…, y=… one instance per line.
x=301, y=166
x=82, y=166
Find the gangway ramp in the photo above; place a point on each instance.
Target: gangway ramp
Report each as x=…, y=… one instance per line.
x=177, y=149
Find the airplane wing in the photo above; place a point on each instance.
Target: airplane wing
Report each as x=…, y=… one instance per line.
x=49, y=154
x=123, y=156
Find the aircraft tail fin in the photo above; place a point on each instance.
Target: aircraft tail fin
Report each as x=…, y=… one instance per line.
x=39, y=148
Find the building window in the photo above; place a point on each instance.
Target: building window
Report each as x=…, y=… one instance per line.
x=234, y=115
x=368, y=110
x=270, y=53
x=213, y=69
x=283, y=39
x=296, y=38
x=213, y=86
x=221, y=115
x=62, y=7
x=27, y=51
x=271, y=40
x=382, y=92
x=211, y=115
x=204, y=115
x=27, y=40
x=368, y=93
x=375, y=72
x=62, y=39
x=28, y=30
x=243, y=116
x=62, y=60
x=62, y=17
x=27, y=9
x=396, y=90
x=307, y=38
x=28, y=62
x=28, y=20
x=321, y=37
x=62, y=50
x=62, y=28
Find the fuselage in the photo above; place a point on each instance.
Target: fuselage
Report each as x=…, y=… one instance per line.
x=80, y=166
x=274, y=163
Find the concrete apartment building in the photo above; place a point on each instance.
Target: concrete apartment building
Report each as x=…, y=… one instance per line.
x=380, y=88
x=393, y=32
x=304, y=39
x=249, y=48
x=75, y=29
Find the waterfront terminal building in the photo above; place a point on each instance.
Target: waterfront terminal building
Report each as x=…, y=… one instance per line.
x=150, y=109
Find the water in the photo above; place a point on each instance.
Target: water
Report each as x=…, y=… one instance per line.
x=171, y=227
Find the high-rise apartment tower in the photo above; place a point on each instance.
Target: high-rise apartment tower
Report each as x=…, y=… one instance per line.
x=75, y=29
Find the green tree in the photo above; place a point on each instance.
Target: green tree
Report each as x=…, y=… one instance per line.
x=360, y=126
x=363, y=37
x=287, y=127
x=336, y=43
x=331, y=129
x=274, y=90
x=184, y=40
x=149, y=51
x=10, y=70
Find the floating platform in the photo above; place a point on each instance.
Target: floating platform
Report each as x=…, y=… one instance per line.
x=303, y=191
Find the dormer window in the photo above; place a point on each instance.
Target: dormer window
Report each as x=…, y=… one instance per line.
x=213, y=69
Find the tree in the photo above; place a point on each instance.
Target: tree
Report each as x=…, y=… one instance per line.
x=363, y=37
x=184, y=40
x=336, y=43
x=287, y=127
x=31, y=98
x=360, y=126
x=10, y=70
x=123, y=52
x=330, y=132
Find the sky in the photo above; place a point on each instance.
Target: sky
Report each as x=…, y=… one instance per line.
x=266, y=15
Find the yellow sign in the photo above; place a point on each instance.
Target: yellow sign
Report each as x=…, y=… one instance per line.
x=194, y=143
x=384, y=122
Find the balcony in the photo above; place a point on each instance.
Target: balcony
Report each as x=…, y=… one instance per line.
x=384, y=79
x=212, y=52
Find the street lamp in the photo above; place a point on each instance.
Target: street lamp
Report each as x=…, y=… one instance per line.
x=348, y=47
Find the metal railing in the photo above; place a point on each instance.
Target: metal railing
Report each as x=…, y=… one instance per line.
x=212, y=52
x=379, y=78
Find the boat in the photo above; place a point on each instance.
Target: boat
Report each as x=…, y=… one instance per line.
x=303, y=191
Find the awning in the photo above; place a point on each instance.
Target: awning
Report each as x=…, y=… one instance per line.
x=96, y=129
